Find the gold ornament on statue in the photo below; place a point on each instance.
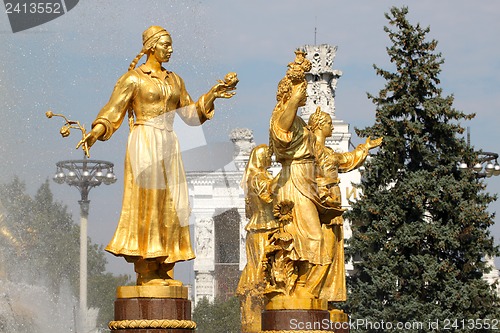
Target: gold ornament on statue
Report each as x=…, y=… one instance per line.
x=66, y=129
x=230, y=80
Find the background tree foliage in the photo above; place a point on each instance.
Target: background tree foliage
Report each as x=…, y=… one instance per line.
x=40, y=244
x=420, y=232
x=219, y=316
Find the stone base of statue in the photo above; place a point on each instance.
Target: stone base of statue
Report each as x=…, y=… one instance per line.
x=339, y=320
x=152, y=309
x=292, y=314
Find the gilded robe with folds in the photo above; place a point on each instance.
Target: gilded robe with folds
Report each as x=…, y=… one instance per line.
x=259, y=208
x=154, y=221
x=294, y=149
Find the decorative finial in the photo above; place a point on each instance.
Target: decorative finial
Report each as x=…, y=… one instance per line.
x=65, y=129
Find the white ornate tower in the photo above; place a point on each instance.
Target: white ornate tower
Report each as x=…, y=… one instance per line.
x=321, y=80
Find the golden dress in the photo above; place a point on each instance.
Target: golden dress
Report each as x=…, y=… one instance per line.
x=262, y=221
x=257, y=183
x=154, y=221
x=294, y=149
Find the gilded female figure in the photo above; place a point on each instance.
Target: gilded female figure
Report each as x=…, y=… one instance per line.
x=258, y=185
x=330, y=163
x=293, y=145
x=153, y=230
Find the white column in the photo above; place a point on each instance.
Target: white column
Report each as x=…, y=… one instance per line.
x=204, y=286
x=243, y=237
x=84, y=213
x=204, y=244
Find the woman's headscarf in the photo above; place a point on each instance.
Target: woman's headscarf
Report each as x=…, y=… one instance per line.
x=256, y=162
x=150, y=37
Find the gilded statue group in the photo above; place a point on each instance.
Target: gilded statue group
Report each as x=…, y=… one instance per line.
x=294, y=239
x=295, y=243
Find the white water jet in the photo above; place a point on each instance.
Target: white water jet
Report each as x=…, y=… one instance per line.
x=28, y=308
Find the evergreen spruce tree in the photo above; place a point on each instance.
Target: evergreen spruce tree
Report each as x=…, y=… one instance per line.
x=221, y=315
x=421, y=230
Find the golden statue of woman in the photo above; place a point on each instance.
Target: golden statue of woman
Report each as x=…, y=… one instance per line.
x=258, y=185
x=330, y=163
x=293, y=144
x=153, y=230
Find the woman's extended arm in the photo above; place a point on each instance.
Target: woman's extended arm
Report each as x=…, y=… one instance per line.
x=297, y=99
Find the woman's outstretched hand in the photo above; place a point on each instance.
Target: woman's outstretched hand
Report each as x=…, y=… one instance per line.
x=90, y=138
x=225, y=89
x=373, y=143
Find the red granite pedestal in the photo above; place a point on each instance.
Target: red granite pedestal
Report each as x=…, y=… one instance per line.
x=152, y=309
x=289, y=314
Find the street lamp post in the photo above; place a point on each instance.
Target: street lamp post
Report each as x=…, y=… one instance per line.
x=483, y=167
x=84, y=175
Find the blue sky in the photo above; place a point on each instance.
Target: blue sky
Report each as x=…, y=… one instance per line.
x=70, y=65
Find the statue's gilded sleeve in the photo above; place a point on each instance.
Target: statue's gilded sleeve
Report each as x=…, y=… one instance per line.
x=284, y=136
x=261, y=182
x=353, y=159
x=193, y=113
x=112, y=114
